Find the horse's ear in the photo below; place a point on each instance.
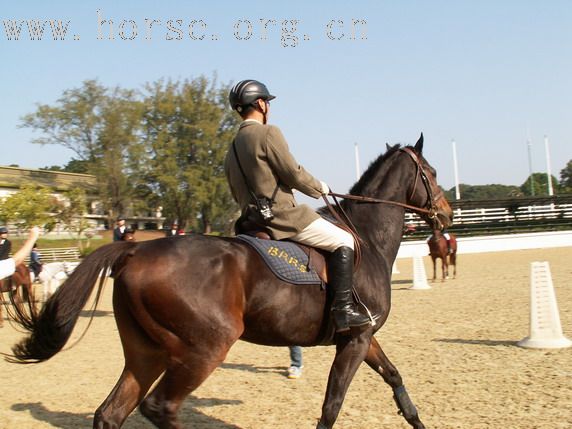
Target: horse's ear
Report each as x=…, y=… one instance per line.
x=387, y=147
x=419, y=144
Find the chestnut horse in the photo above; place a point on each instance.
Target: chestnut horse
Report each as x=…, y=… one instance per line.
x=438, y=249
x=181, y=302
x=19, y=287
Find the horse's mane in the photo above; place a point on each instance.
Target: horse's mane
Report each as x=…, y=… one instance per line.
x=372, y=170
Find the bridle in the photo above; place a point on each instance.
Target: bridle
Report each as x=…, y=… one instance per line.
x=430, y=208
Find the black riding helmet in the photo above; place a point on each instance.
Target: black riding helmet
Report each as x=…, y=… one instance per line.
x=246, y=92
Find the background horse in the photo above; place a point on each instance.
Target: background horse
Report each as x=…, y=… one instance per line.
x=53, y=275
x=19, y=287
x=181, y=303
x=438, y=249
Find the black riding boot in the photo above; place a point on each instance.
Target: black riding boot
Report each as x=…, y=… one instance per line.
x=340, y=276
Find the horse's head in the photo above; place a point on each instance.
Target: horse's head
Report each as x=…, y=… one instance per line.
x=425, y=192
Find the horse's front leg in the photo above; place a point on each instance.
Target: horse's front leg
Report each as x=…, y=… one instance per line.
x=350, y=353
x=434, y=268
x=443, y=268
x=379, y=362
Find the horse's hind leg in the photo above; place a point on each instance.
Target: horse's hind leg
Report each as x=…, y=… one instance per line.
x=188, y=368
x=379, y=362
x=144, y=363
x=350, y=353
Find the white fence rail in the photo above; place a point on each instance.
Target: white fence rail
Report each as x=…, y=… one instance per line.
x=504, y=214
x=495, y=243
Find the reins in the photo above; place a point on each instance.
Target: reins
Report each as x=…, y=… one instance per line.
x=343, y=219
x=363, y=199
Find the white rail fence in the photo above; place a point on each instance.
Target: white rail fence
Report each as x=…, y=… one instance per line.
x=504, y=214
x=495, y=243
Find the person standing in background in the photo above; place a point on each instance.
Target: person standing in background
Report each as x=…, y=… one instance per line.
x=5, y=244
x=295, y=370
x=119, y=229
x=35, y=262
x=8, y=266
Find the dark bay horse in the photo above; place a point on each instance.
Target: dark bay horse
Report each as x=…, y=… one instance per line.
x=438, y=249
x=180, y=303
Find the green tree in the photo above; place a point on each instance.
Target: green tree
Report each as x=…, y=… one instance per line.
x=99, y=125
x=539, y=184
x=72, y=213
x=187, y=128
x=566, y=178
x=73, y=166
x=484, y=192
x=31, y=205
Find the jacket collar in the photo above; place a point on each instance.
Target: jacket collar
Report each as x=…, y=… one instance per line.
x=248, y=122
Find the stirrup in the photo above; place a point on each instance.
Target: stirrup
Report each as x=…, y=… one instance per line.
x=347, y=318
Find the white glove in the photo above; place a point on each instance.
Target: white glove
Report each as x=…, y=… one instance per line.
x=325, y=188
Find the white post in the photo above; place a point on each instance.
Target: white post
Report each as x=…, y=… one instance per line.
x=529, y=145
x=548, y=170
x=456, y=170
x=358, y=170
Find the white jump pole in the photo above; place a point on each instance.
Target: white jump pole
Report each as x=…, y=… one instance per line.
x=545, y=327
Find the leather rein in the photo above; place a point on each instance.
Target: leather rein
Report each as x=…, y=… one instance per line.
x=430, y=209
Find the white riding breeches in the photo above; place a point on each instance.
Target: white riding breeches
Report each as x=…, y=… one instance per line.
x=324, y=235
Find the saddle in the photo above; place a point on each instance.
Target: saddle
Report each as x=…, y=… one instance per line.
x=316, y=257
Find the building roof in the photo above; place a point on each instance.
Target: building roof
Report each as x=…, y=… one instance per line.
x=15, y=177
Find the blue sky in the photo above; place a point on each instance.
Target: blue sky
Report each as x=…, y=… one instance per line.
x=488, y=74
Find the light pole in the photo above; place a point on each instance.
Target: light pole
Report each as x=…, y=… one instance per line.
x=358, y=171
x=456, y=171
x=548, y=170
x=530, y=167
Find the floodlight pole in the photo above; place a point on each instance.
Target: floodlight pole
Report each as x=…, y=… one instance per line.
x=358, y=170
x=548, y=170
x=456, y=170
x=530, y=167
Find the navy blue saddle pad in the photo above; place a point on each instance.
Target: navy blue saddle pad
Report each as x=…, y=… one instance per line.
x=286, y=260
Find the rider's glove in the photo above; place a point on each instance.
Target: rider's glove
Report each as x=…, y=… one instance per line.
x=325, y=188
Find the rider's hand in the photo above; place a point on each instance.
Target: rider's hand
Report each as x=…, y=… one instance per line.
x=34, y=233
x=325, y=188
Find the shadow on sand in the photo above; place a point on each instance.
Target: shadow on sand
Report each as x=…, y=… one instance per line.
x=188, y=415
x=255, y=369
x=492, y=343
x=96, y=313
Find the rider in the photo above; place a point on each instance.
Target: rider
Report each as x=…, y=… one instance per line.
x=271, y=172
x=437, y=233
x=8, y=266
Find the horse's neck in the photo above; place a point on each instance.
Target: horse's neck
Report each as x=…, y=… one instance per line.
x=380, y=225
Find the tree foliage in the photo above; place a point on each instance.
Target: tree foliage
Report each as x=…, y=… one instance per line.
x=31, y=205
x=566, y=178
x=484, y=192
x=72, y=212
x=539, y=183
x=99, y=125
x=186, y=131
x=162, y=147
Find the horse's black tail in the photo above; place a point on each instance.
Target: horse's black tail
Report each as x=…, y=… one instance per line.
x=51, y=328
